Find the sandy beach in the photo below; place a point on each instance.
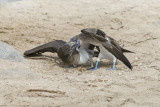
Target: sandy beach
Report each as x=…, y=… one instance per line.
x=48, y=82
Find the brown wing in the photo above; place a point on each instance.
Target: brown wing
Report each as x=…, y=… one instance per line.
x=48, y=47
x=110, y=47
x=96, y=31
x=102, y=34
x=116, y=44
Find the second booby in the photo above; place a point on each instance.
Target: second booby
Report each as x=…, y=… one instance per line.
x=109, y=48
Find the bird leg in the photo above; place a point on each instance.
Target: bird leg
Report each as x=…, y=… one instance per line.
x=113, y=67
x=91, y=61
x=96, y=67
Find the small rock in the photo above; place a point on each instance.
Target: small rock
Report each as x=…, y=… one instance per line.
x=120, y=73
x=136, y=58
x=140, y=64
x=9, y=53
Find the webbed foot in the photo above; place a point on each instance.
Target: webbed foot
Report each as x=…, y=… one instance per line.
x=92, y=69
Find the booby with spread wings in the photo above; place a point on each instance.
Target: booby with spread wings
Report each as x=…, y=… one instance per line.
x=109, y=48
x=68, y=52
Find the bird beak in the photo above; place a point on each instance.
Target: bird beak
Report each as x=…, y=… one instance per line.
x=72, y=49
x=72, y=40
x=68, y=42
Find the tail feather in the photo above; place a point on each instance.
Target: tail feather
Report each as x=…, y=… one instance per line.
x=127, y=63
x=125, y=50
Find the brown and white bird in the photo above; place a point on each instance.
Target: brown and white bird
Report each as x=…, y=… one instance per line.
x=108, y=47
x=68, y=53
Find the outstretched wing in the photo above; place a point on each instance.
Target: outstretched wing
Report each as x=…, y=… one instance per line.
x=102, y=34
x=48, y=47
x=109, y=46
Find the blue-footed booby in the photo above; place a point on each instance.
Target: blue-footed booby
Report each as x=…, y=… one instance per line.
x=108, y=47
x=68, y=52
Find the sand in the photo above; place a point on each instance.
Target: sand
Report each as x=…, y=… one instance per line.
x=47, y=82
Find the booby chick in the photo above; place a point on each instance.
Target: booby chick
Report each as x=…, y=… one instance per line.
x=109, y=48
x=68, y=53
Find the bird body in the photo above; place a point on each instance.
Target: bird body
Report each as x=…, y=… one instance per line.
x=81, y=51
x=84, y=56
x=105, y=54
x=68, y=53
x=109, y=48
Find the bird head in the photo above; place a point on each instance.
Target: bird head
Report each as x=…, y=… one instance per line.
x=73, y=39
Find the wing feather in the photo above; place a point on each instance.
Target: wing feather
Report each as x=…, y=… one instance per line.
x=109, y=46
x=48, y=47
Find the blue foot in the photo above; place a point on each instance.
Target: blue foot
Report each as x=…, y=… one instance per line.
x=113, y=68
x=95, y=68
